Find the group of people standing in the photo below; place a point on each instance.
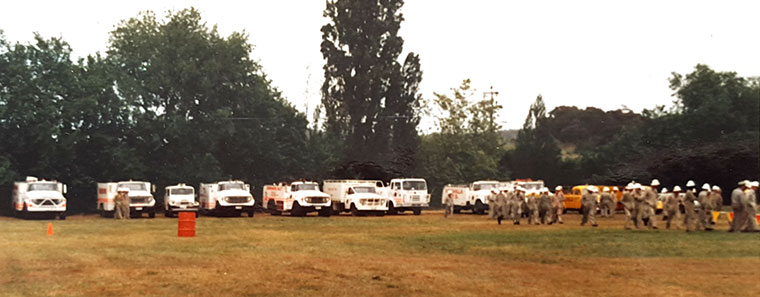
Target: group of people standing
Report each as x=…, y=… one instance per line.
x=694, y=210
x=121, y=204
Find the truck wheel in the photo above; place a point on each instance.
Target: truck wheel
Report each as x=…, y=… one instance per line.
x=325, y=212
x=168, y=213
x=24, y=212
x=152, y=214
x=391, y=209
x=479, y=208
x=417, y=211
x=272, y=207
x=354, y=211
x=457, y=209
x=62, y=216
x=297, y=210
x=197, y=214
x=250, y=213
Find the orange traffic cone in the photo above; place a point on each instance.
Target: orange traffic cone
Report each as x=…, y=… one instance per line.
x=50, y=229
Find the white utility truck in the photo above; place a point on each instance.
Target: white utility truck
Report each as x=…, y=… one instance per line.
x=226, y=197
x=406, y=194
x=532, y=187
x=473, y=196
x=298, y=198
x=41, y=197
x=179, y=198
x=140, y=198
x=360, y=197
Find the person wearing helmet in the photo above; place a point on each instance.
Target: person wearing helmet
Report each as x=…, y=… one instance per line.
x=690, y=204
x=606, y=203
x=588, y=206
x=716, y=197
x=670, y=206
x=532, y=204
x=648, y=205
x=515, y=204
x=121, y=202
x=491, y=199
x=705, y=208
x=545, y=207
x=500, y=206
x=750, y=207
x=738, y=199
x=558, y=205
x=629, y=206
x=448, y=202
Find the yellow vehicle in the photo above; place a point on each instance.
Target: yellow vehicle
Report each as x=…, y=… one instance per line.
x=573, y=199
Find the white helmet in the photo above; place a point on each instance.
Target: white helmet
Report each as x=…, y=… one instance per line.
x=558, y=188
x=706, y=186
x=715, y=188
x=744, y=183
x=676, y=189
x=690, y=184
x=655, y=183
x=615, y=188
x=755, y=184
x=606, y=189
x=664, y=190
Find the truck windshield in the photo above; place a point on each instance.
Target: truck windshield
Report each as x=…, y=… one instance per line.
x=43, y=187
x=182, y=191
x=415, y=185
x=478, y=187
x=231, y=186
x=534, y=185
x=305, y=187
x=133, y=186
x=364, y=189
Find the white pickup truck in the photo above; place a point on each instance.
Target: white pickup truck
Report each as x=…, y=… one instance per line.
x=473, y=196
x=298, y=198
x=179, y=198
x=359, y=197
x=226, y=197
x=40, y=197
x=140, y=198
x=406, y=194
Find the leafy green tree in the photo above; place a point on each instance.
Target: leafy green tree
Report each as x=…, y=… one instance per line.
x=536, y=154
x=370, y=98
x=203, y=108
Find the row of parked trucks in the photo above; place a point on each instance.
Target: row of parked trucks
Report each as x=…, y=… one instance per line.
x=358, y=197
x=474, y=196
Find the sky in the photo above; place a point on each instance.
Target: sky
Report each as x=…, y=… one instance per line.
x=606, y=54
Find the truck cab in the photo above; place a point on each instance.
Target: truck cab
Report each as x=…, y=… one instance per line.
x=39, y=197
x=140, y=198
x=407, y=194
x=179, y=198
x=478, y=194
x=298, y=198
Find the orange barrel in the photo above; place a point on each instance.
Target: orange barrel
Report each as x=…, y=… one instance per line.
x=186, y=224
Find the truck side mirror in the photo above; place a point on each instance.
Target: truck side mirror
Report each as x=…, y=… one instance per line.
x=65, y=189
x=153, y=188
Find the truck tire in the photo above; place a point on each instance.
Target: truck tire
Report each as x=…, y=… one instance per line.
x=272, y=208
x=479, y=208
x=152, y=214
x=417, y=211
x=168, y=213
x=62, y=216
x=326, y=212
x=355, y=212
x=250, y=213
x=297, y=210
x=391, y=209
x=457, y=209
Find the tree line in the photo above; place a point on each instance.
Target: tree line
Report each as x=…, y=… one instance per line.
x=171, y=100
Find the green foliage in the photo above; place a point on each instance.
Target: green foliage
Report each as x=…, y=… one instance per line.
x=466, y=148
x=536, y=154
x=370, y=98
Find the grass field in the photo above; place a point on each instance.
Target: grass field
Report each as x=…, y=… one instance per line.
x=405, y=255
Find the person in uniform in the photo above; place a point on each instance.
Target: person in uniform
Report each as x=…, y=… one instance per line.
x=717, y=198
x=649, y=204
x=629, y=206
x=545, y=206
x=607, y=203
x=705, y=208
x=738, y=196
x=492, y=203
x=516, y=205
x=121, y=204
x=558, y=205
x=500, y=209
x=670, y=205
x=689, y=206
x=750, y=208
x=532, y=204
x=448, y=202
x=588, y=206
